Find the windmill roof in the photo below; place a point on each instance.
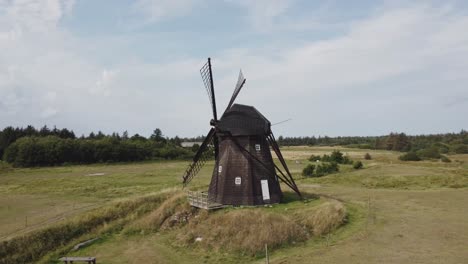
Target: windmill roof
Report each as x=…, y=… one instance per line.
x=244, y=120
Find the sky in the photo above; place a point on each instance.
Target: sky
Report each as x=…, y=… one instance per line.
x=336, y=68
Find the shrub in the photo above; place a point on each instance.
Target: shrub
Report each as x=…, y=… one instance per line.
x=308, y=171
x=195, y=147
x=314, y=158
x=429, y=153
x=326, y=168
x=445, y=159
x=358, y=165
x=367, y=156
x=326, y=158
x=337, y=157
x=347, y=160
x=460, y=148
x=410, y=156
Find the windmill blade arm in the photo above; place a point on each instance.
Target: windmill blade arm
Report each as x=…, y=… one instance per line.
x=288, y=177
x=240, y=147
x=282, y=177
x=240, y=83
x=207, y=77
x=199, y=159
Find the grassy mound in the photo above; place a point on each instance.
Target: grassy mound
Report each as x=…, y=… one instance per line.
x=244, y=231
x=248, y=230
x=172, y=212
x=325, y=218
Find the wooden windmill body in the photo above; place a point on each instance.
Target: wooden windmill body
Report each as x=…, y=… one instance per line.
x=244, y=172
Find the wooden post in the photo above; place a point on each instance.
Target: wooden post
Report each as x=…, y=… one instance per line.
x=267, y=259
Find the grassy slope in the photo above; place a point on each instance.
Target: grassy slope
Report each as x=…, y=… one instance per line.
x=48, y=195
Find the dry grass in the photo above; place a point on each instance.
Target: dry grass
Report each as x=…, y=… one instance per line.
x=248, y=230
x=245, y=231
x=325, y=218
x=32, y=246
x=161, y=216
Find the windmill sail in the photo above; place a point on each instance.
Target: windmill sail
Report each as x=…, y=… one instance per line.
x=207, y=77
x=240, y=83
x=199, y=159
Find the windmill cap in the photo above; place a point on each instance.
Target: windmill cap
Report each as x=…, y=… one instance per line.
x=244, y=120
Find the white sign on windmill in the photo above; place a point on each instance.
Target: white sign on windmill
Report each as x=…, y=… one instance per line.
x=265, y=190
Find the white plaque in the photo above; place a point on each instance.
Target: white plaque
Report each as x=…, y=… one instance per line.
x=265, y=190
x=220, y=169
x=238, y=181
x=257, y=147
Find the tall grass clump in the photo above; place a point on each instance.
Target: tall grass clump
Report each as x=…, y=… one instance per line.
x=325, y=218
x=244, y=231
x=247, y=231
x=160, y=217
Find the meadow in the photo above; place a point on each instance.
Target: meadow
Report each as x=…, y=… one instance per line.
x=397, y=212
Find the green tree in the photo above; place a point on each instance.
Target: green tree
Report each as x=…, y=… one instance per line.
x=157, y=135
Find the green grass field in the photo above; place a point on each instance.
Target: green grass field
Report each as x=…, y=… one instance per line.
x=399, y=212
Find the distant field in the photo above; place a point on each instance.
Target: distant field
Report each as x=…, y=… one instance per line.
x=405, y=212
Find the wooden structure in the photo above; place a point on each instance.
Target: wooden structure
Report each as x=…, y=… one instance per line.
x=89, y=260
x=242, y=141
x=200, y=200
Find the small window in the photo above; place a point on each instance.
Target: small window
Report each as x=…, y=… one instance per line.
x=220, y=169
x=238, y=181
x=257, y=147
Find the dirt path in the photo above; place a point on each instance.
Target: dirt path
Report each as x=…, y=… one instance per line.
x=405, y=226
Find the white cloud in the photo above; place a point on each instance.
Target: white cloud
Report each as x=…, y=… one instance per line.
x=385, y=66
x=399, y=69
x=37, y=16
x=103, y=85
x=49, y=112
x=263, y=14
x=156, y=10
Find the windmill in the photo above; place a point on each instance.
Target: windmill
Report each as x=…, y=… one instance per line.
x=244, y=172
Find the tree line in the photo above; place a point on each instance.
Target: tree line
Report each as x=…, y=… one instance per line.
x=444, y=143
x=28, y=147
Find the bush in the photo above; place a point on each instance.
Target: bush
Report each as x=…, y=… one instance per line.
x=337, y=157
x=460, y=149
x=358, y=165
x=367, y=156
x=314, y=158
x=195, y=148
x=326, y=158
x=429, y=153
x=347, y=160
x=326, y=168
x=410, y=156
x=308, y=171
x=445, y=159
